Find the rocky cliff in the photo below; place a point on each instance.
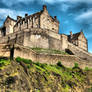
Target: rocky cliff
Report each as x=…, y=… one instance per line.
x=22, y=75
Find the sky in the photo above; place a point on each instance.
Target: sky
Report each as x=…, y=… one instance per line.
x=73, y=15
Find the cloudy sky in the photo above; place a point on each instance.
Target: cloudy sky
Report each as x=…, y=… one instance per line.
x=73, y=15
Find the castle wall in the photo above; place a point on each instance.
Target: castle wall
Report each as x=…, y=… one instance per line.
x=34, y=41
x=0, y=33
x=46, y=22
x=42, y=39
x=36, y=23
x=64, y=42
x=12, y=38
x=24, y=52
x=82, y=42
x=20, y=27
x=3, y=51
x=66, y=60
x=54, y=43
x=9, y=24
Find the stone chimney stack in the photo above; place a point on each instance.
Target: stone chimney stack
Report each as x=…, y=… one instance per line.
x=26, y=15
x=71, y=34
x=55, y=17
x=44, y=7
x=18, y=18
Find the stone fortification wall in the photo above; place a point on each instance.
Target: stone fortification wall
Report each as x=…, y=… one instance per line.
x=13, y=38
x=4, y=51
x=35, y=37
x=42, y=38
x=64, y=41
x=67, y=60
x=25, y=52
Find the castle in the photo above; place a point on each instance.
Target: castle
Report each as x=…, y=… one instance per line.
x=41, y=30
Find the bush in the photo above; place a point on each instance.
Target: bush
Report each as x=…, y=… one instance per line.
x=43, y=65
x=28, y=66
x=18, y=59
x=10, y=80
x=1, y=64
x=59, y=64
x=76, y=65
x=27, y=61
x=38, y=64
x=86, y=69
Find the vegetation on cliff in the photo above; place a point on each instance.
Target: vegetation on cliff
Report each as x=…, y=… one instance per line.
x=49, y=51
x=25, y=75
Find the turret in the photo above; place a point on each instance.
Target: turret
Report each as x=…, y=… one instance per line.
x=44, y=7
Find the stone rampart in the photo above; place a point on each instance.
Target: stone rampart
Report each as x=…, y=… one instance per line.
x=42, y=38
x=25, y=52
x=67, y=60
x=13, y=38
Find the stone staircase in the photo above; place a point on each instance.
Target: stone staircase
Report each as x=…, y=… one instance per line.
x=80, y=53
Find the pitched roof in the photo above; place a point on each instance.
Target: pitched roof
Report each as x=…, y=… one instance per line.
x=10, y=19
x=74, y=36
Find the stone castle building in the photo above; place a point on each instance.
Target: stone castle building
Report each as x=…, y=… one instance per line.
x=40, y=30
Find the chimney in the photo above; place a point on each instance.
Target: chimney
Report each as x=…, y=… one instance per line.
x=18, y=18
x=44, y=7
x=81, y=30
x=26, y=15
x=71, y=34
x=55, y=17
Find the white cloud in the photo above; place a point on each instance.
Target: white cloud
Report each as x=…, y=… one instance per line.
x=12, y=13
x=11, y=2
x=67, y=1
x=85, y=17
x=65, y=7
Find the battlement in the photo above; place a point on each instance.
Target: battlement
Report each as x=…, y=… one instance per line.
x=40, y=19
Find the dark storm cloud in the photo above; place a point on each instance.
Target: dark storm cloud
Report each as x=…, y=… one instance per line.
x=72, y=14
x=3, y=5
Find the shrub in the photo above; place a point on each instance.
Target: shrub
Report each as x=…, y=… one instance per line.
x=18, y=59
x=27, y=61
x=86, y=69
x=28, y=66
x=59, y=64
x=38, y=64
x=10, y=80
x=1, y=64
x=76, y=65
x=43, y=65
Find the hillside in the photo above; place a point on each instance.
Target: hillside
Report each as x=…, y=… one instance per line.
x=22, y=75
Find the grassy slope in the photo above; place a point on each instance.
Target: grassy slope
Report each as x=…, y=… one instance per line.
x=68, y=78
x=52, y=78
x=49, y=51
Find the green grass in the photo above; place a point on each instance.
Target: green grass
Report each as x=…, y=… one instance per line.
x=88, y=69
x=49, y=51
x=69, y=76
x=27, y=61
x=90, y=89
x=4, y=63
x=58, y=69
